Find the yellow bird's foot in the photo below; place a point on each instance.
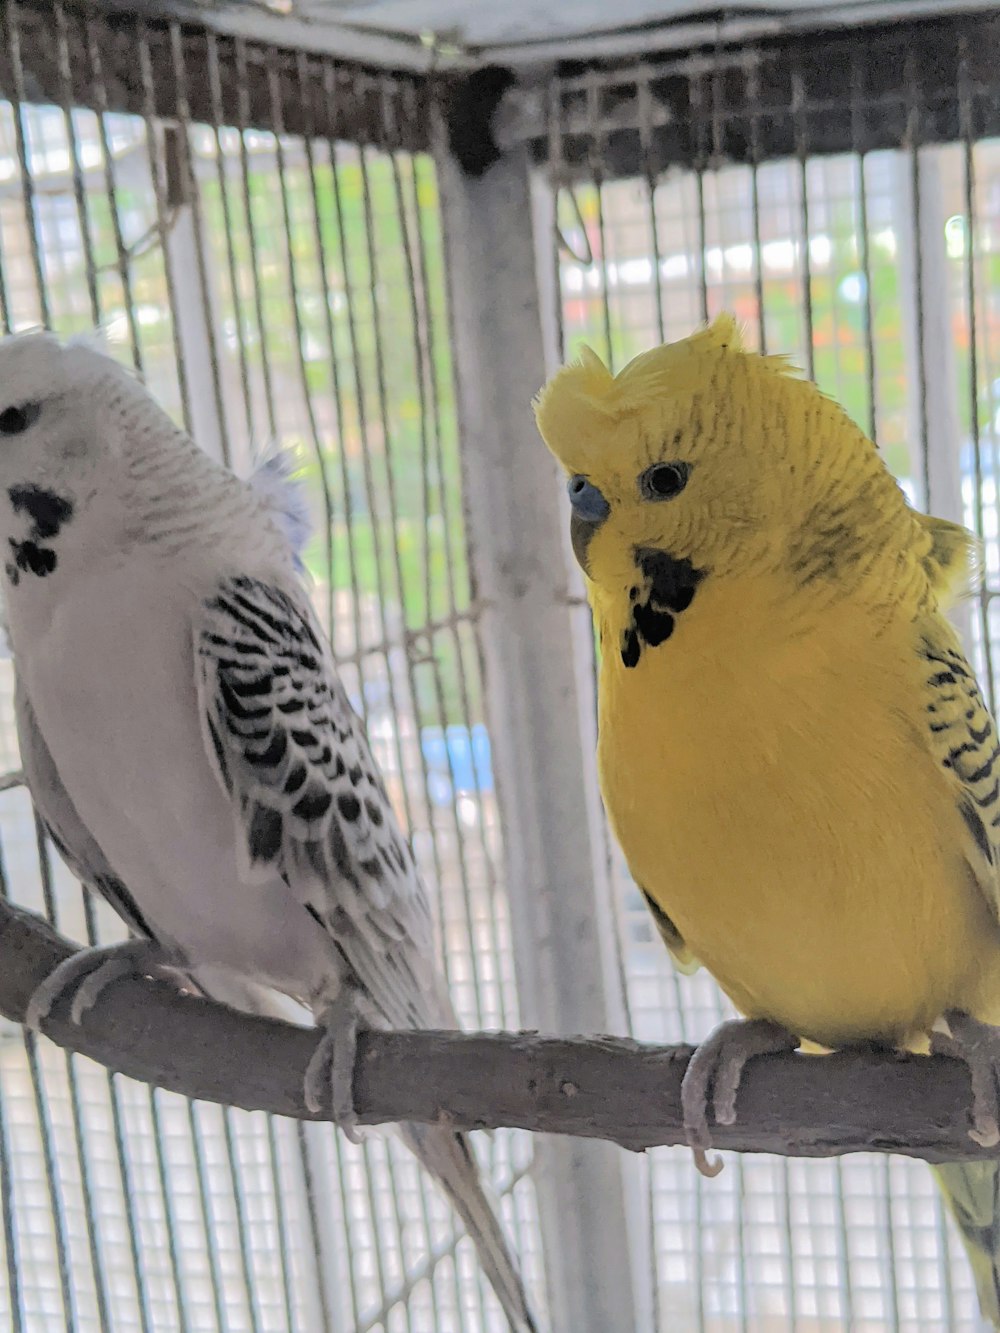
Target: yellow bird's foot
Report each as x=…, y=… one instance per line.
x=977, y=1045
x=716, y=1067
x=330, y=1071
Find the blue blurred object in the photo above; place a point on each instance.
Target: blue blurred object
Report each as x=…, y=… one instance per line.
x=457, y=760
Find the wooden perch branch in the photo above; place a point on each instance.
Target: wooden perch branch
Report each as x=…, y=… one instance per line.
x=606, y=1088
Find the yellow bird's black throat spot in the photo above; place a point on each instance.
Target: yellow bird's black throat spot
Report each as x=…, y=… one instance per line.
x=665, y=587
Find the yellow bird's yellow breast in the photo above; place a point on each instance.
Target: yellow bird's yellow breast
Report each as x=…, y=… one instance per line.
x=773, y=792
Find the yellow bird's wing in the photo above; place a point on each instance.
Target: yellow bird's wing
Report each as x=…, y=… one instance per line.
x=963, y=737
x=954, y=562
x=683, y=959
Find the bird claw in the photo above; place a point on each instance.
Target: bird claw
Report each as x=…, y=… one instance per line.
x=330, y=1072
x=91, y=971
x=977, y=1045
x=716, y=1068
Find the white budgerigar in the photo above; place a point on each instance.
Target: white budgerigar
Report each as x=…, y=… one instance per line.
x=188, y=743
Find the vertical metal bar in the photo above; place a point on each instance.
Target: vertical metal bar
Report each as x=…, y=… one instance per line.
x=10, y=1235
x=306, y=1136
x=892, y=1292
x=166, y=1194
x=944, y=1258
x=393, y=507
x=382, y=577
x=864, y=246
x=99, y=89
x=7, y=1202
x=27, y=179
x=753, y=93
x=185, y=251
x=526, y=630
x=556, y=337
x=419, y=322
x=294, y=287
x=228, y=221
x=649, y=175
x=83, y=1161
x=242, y=1223
x=207, y=1216
x=925, y=286
x=329, y=86
x=394, y=516
x=52, y=1174
x=5, y=308
x=52, y=1182
x=788, y=1239
x=913, y=133
x=164, y=210
x=843, y=1256
x=800, y=130
x=420, y=318
x=699, y=180
x=437, y=342
x=594, y=158
x=801, y=154
x=79, y=188
x=243, y=121
x=366, y=1149
x=281, y=1223
x=967, y=130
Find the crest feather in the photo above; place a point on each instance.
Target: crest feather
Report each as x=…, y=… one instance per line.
x=584, y=402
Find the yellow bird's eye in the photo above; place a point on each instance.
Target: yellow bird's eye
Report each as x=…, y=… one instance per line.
x=663, y=481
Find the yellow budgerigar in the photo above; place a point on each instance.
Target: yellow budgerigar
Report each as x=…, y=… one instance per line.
x=793, y=750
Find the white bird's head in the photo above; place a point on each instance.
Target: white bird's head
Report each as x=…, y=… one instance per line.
x=64, y=410
x=85, y=456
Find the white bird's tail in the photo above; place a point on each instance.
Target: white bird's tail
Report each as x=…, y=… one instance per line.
x=448, y=1157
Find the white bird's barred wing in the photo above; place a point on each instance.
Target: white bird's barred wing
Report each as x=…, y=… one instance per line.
x=309, y=803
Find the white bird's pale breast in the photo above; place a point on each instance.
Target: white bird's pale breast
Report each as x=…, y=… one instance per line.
x=109, y=670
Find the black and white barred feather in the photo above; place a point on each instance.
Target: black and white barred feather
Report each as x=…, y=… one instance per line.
x=307, y=796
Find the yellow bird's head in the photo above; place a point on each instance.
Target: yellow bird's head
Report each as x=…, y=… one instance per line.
x=701, y=458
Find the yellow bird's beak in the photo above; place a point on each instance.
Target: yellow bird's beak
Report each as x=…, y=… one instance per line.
x=590, y=509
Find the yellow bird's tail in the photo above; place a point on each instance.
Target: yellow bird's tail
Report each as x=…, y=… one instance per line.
x=972, y=1193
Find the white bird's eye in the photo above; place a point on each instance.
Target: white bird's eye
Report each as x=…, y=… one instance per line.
x=14, y=420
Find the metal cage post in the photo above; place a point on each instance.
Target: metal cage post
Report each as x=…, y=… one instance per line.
x=540, y=717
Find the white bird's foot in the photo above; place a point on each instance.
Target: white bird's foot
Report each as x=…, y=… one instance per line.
x=330, y=1072
x=716, y=1068
x=977, y=1045
x=91, y=971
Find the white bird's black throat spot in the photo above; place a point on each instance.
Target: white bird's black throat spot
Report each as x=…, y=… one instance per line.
x=665, y=586
x=49, y=513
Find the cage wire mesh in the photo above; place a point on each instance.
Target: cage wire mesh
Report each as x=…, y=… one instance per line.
x=270, y=284
x=841, y=197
